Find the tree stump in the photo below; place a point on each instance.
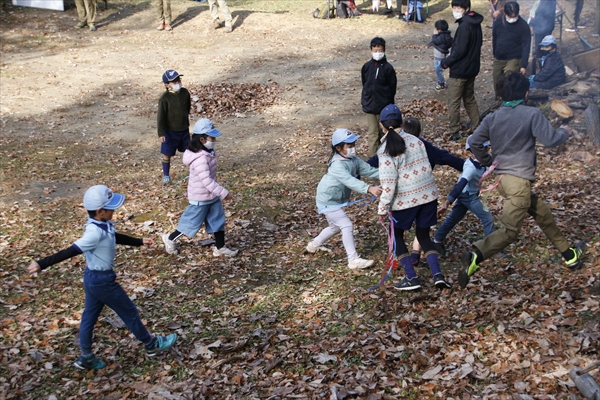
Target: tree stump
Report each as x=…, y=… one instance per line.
x=592, y=121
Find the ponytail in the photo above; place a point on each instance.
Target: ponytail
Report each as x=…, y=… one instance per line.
x=394, y=145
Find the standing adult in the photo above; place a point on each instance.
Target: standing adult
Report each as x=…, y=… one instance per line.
x=86, y=10
x=511, y=41
x=220, y=5
x=164, y=15
x=464, y=64
x=573, y=9
x=541, y=21
x=498, y=10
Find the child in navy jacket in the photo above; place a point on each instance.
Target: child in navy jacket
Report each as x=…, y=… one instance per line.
x=441, y=40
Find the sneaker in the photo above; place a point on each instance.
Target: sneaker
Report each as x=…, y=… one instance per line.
x=456, y=136
x=224, y=251
x=439, y=87
x=217, y=24
x=166, y=180
x=168, y=27
x=228, y=29
x=360, y=263
x=469, y=260
x=89, y=361
x=440, y=281
x=311, y=247
x=440, y=248
x=170, y=246
x=408, y=284
x=163, y=343
x=388, y=11
x=576, y=262
x=572, y=29
x=161, y=27
x=81, y=25
x=92, y=27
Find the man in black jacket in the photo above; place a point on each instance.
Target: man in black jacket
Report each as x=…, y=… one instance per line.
x=511, y=41
x=464, y=63
x=379, y=89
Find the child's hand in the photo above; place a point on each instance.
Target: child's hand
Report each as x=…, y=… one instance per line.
x=443, y=209
x=162, y=139
x=34, y=268
x=375, y=190
x=228, y=197
x=148, y=241
x=566, y=128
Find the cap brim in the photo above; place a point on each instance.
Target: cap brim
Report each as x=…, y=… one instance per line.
x=116, y=202
x=214, y=133
x=351, y=139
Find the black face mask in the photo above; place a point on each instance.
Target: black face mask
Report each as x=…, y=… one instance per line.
x=544, y=53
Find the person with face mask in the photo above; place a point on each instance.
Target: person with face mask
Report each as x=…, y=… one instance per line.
x=552, y=72
x=379, y=89
x=464, y=64
x=511, y=41
x=333, y=194
x=173, y=121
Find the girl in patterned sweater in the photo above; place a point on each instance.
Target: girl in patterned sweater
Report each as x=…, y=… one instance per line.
x=409, y=194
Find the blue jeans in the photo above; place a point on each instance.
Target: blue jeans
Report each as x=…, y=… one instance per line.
x=101, y=289
x=439, y=72
x=465, y=202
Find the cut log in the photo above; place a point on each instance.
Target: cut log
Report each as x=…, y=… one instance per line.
x=592, y=122
x=561, y=108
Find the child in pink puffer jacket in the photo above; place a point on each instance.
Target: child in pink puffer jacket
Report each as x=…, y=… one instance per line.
x=204, y=193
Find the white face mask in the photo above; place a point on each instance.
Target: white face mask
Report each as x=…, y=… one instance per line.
x=350, y=152
x=512, y=20
x=176, y=87
x=457, y=14
x=209, y=145
x=378, y=56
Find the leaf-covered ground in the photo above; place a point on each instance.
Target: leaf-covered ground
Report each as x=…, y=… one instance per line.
x=276, y=322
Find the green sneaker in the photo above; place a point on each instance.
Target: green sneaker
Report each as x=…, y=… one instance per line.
x=89, y=361
x=163, y=343
x=576, y=262
x=469, y=260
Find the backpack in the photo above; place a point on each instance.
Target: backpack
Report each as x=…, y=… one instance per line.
x=321, y=13
x=347, y=9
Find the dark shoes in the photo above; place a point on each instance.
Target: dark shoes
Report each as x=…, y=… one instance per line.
x=577, y=262
x=163, y=343
x=89, y=361
x=456, y=136
x=408, y=284
x=470, y=266
x=440, y=281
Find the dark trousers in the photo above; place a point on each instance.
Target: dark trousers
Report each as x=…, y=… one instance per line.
x=102, y=289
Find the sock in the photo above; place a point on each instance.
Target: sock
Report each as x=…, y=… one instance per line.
x=569, y=254
x=87, y=355
x=219, y=239
x=152, y=344
x=433, y=261
x=166, y=166
x=414, y=257
x=175, y=235
x=409, y=270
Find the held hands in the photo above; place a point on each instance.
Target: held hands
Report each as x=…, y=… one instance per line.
x=375, y=190
x=34, y=268
x=443, y=209
x=148, y=241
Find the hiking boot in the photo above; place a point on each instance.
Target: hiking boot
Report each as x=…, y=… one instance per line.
x=311, y=247
x=228, y=29
x=166, y=180
x=360, y=263
x=163, y=343
x=440, y=248
x=89, y=361
x=92, y=27
x=170, y=246
x=224, y=251
x=469, y=261
x=456, y=136
x=576, y=262
x=440, y=86
x=161, y=27
x=440, y=281
x=217, y=24
x=408, y=284
x=168, y=27
x=81, y=25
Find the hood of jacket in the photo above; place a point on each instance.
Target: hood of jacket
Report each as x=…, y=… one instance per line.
x=471, y=18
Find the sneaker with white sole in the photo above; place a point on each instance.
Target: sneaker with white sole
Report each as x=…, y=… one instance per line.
x=89, y=361
x=408, y=284
x=311, y=247
x=224, y=251
x=162, y=343
x=170, y=246
x=360, y=263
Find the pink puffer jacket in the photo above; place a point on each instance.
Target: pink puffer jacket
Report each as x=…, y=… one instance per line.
x=202, y=185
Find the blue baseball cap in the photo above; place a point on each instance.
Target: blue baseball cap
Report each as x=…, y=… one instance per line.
x=205, y=127
x=390, y=112
x=343, y=136
x=170, y=75
x=101, y=197
x=548, y=40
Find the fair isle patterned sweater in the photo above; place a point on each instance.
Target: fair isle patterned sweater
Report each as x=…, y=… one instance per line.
x=407, y=180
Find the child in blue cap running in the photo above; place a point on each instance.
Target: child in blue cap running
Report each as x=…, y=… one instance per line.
x=98, y=243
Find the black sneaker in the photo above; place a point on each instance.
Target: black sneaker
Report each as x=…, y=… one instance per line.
x=577, y=262
x=408, y=284
x=440, y=248
x=470, y=266
x=456, y=136
x=440, y=281
x=89, y=361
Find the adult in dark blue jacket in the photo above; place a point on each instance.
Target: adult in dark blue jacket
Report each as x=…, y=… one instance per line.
x=552, y=73
x=511, y=41
x=464, y=63
x=541, y=21
x=379, y=89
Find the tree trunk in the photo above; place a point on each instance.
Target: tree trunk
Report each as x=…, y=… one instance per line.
x=592, y=121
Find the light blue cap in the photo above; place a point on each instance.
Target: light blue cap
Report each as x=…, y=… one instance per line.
x=342, y=135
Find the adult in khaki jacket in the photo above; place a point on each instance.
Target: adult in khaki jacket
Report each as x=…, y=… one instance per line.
x=86, y=10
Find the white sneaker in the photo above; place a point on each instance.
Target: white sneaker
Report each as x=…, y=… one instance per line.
x=311, y=247
x=170, y=246
x=360, y=263
x=224, y=251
